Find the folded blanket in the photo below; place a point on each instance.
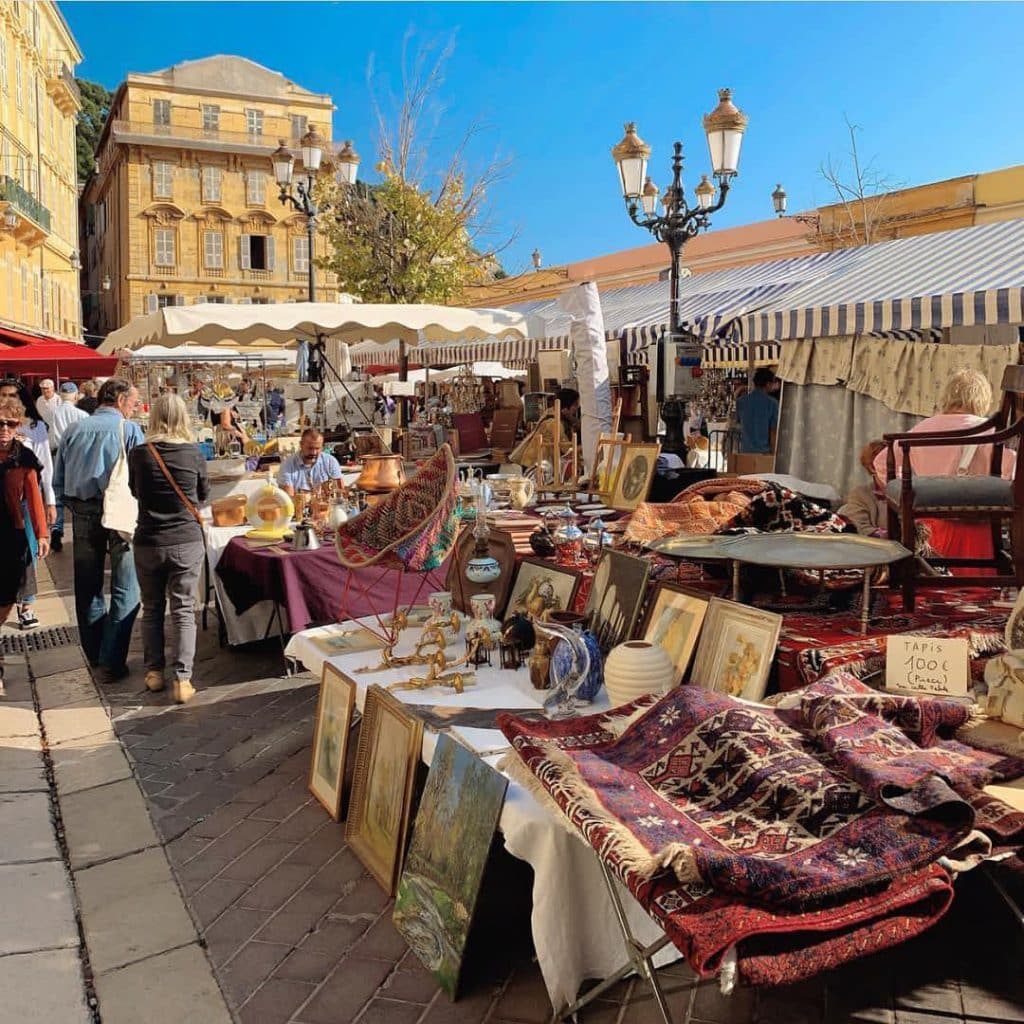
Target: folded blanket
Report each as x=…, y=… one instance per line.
x=728, y=820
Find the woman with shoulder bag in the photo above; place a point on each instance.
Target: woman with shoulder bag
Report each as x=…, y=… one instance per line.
x=167, y=475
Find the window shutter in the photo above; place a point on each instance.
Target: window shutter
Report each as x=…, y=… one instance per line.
x=152, y=305
x=246, y=301
x=244, y=253
x=179, y=300
x=270, y=252
x=198, y=300
x=228, y=300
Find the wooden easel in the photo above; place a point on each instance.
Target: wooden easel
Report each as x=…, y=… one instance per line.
x=553, y=448
x=602, y=484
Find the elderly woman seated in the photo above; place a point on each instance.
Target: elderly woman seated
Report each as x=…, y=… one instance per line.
x=966, y=401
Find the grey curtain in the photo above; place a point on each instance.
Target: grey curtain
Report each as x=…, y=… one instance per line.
x=822, y=429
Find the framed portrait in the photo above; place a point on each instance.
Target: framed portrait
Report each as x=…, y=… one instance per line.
x=634, y=476
x=540, y=587
x=616, y=596
x=390, y=744
x=674, y=619
x=736, y=649
x=330, y=738
x=606, y=464
x=451, y=840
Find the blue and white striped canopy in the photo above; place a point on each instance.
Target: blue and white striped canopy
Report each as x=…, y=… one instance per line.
x=924, y=283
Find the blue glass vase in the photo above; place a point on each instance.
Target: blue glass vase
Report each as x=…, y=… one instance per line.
x=561, y=661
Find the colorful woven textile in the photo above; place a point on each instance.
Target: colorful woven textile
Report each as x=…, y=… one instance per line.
x=814, y=644
x=731, y=822
x=413, y=528
x=651, y=521
x=776, y=508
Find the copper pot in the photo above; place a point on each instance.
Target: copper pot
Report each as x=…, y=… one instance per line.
x=381, y=473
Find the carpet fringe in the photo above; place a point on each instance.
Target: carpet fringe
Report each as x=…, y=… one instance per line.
x=618, y=845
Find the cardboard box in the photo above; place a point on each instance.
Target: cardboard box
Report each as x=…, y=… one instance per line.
x=741, y=463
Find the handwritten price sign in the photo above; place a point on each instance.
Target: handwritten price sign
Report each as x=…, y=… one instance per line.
x=927, y=665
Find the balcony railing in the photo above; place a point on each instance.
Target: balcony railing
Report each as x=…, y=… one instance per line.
x=60, y=74
x=23, y=202
x=214, y=136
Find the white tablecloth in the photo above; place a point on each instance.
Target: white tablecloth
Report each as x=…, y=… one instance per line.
x=575, y=933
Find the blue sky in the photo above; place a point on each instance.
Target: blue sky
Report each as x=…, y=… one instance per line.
x=936, y=88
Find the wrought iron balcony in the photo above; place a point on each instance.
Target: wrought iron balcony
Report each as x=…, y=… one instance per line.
x=22, y=214
x=62, y=87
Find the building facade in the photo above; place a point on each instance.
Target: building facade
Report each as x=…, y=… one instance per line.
x=937, y=206
x=183, y=207
x=39, y=101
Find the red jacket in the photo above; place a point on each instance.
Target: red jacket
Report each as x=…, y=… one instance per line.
x=20, y=475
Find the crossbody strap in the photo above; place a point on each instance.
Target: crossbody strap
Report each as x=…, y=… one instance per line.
x=174, y=483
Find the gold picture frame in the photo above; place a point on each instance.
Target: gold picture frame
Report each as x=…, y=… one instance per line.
x=634, y=476
x=616, y=597
x=674, y=619
x=736, y=649
x=540, y=587
x=334, y=711
x=390, y=746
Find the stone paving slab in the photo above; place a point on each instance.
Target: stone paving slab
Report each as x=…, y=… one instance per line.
x=105, y=822
x=85, y=763
x=63, y=725
x=26, y=828
x=131, y=909
x=173, y=988
x=36, y=911
x=67, y=689
x=17, y=719
x=44, y=986
x=21, y=765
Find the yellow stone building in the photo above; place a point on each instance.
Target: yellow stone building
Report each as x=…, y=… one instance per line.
x=183, y=207
x=39, y=101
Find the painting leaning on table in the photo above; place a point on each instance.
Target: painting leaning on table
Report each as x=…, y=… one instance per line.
x=437, y=893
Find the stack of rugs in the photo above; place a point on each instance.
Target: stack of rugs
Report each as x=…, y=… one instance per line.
x=781, y=841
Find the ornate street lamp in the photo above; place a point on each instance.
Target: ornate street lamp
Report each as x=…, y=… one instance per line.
x=779, y=200
x=724, y=128
x=300, y=193
x=537, y=259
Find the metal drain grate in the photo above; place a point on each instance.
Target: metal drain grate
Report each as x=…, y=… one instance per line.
x=38, y=640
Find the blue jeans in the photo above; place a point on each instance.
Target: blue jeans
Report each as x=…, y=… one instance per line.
x=105, y=632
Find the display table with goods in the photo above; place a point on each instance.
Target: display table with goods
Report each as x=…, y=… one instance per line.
x=763, y=843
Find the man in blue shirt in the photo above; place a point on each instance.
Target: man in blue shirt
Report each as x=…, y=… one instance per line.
x=309, y=467
x=86, y=457
x=758, y=415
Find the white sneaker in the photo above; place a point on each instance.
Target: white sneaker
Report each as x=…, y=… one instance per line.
x=154, y=681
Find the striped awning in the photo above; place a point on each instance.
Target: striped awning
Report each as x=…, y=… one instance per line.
x=971, y=276
x=737, y=357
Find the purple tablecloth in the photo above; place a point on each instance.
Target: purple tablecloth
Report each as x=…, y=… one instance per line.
x=310, y=585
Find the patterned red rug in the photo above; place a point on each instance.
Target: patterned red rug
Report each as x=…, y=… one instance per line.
x=803, y=837
x=817, y=641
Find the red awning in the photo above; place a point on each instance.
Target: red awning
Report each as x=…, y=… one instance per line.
x=36, y=356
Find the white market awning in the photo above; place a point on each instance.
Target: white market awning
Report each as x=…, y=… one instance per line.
x=285, y=323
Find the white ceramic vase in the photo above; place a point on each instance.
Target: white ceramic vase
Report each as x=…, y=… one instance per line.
x=636, y=668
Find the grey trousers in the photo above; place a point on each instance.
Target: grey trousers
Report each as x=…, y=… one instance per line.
x=168, y=575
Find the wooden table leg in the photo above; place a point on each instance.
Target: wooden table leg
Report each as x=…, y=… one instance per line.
x=865, y=611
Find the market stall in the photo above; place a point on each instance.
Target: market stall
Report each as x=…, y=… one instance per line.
x=30, y=355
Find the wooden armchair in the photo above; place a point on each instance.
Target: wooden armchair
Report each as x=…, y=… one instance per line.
x=987, y=498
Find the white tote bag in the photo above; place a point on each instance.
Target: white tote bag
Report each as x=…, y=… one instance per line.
x=120, y=509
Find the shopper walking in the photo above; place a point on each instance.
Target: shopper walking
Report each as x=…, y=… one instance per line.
x=64, y=415
x=85, y=460
x=87, y=403
x=34, y=435
x=48, y=400
x=21, y=504
x=167, y=475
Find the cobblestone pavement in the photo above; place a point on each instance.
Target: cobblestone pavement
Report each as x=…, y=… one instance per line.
x=298, y=932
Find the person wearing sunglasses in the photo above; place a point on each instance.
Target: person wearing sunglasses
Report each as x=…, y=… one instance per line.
x=20, y=499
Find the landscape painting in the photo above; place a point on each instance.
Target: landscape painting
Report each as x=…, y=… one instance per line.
x=438, y=890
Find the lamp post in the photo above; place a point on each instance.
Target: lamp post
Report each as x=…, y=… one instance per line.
x=537, y=259
x=724, y=128
x=283, y=160
x=779, y=200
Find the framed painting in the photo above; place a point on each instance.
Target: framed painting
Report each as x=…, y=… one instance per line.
x=390, y=744
x=634, y=476
x=441, y=880
x=736, y=649
x=674, y=619
x=541, y=587
x=616, y=596
x=330, y=738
